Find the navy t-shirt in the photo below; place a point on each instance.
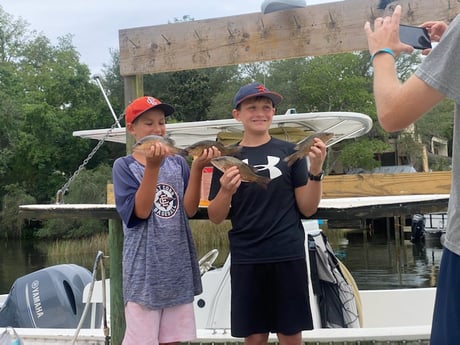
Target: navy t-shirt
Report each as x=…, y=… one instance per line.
x=266, y=223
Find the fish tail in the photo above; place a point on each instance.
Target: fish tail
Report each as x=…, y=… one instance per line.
x=291, y=159
x=263, y=181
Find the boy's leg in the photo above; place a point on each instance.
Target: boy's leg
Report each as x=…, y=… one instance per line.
x=142, y=325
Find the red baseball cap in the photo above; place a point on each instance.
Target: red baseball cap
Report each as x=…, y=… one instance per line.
x=140, y=105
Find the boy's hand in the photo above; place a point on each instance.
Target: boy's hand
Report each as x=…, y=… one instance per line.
x=205, y=158
x=158, y=151
x=230, y=180
x=317, y=156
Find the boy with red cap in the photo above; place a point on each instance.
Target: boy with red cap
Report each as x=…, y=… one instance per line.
x=269, y=291
x=155, y=193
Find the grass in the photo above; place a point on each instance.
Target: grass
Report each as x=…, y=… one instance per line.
x=83, y=251
x=206, y=236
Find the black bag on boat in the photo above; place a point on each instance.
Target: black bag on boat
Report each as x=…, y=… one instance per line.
x=337, y=304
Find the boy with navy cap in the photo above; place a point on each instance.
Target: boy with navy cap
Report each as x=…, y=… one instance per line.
x=155, y=193
x=268, y=267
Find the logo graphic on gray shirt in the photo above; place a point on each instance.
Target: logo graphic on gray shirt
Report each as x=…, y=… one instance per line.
x=166, y=201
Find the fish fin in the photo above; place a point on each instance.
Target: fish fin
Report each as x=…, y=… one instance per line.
x=182, y=152
x=291, y=159
x=233, y=150
x=169, y=140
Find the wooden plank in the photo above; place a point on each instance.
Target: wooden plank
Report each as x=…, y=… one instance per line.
x=358, y=185
x=395, y=209
x=314, y=30
x=330, y=208
x=68, y=211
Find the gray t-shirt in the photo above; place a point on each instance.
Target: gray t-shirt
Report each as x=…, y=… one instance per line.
x=160, y=266
x=441, y=70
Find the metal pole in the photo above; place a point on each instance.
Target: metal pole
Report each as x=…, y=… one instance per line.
x=98, y=81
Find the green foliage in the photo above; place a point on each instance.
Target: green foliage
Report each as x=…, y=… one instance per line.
x=185, y=85
x=89, y=187
x=292, y=71
x=438, y=122
x=10, y=221
x=360, y=154
x=48, y=98
x=410, y=148
x=196, y=95
x=337, y=83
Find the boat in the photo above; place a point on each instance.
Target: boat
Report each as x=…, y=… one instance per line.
x=384, y=315
x=435, y=224
x=428, y=227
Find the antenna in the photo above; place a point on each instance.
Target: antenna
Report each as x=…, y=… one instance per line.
x=98, y=81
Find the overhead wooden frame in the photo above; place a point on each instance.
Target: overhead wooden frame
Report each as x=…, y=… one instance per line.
x=311, y=31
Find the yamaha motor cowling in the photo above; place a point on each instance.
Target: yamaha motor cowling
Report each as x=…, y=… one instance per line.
x=417, y=228
x=49, y=298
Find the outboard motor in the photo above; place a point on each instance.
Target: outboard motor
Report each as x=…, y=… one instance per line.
x=49, y=298
x=417, y=228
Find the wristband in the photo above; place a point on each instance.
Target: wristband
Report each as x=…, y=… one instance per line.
x=381, y=51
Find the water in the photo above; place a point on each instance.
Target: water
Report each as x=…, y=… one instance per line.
x=374, y=262
x=382, y=264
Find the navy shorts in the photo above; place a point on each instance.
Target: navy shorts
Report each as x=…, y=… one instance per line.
x=445, y=329
x=270, y=298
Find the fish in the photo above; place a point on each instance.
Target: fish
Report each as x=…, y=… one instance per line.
x=143, y=145
x=303, y=147
x=197, y=148
x=248, y=172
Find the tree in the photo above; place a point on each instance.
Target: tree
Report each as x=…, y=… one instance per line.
x=337, y=83
x=46, y=94
x=285, y=77
x=10, y=221
x=360, y=154
x=90, y=187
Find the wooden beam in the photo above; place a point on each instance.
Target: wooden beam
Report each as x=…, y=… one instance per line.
x=360, y=185
x=314, y=30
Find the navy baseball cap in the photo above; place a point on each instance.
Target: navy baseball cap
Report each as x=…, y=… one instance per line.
x=255, y=90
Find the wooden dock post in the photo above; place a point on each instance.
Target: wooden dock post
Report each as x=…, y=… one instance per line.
x=117, y=310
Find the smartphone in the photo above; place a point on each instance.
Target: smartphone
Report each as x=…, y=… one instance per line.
x=415, y=36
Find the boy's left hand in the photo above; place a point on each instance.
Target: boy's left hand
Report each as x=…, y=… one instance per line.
x=317, y=156
x=205, y=158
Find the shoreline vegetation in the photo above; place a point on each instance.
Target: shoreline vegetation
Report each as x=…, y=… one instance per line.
x=206, y=235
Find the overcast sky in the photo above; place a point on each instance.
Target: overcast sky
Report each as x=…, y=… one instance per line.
x=94, y=24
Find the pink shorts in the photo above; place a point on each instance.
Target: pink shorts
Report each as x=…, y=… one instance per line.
x=151, y=327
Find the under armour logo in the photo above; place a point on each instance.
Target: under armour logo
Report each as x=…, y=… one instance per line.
x=273, y=171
